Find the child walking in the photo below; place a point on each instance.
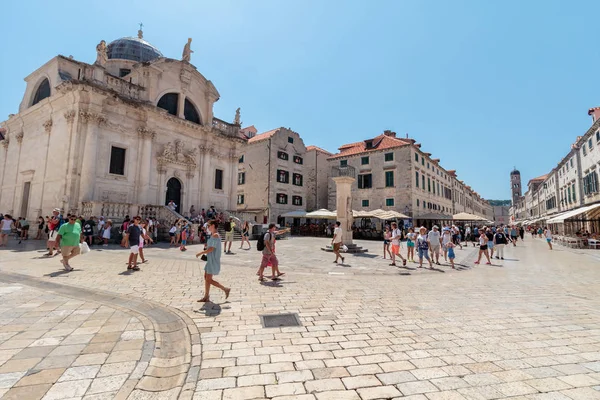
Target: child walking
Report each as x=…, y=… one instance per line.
x=423, y=247
x=451, y=256
x=184, y=236
x=411, y=236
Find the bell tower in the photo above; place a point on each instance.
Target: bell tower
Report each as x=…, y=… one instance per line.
x=515, y=185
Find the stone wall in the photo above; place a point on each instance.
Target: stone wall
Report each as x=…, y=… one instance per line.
x=317, y=179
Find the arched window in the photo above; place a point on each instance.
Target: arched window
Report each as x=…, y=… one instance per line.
x=190, y=113
x=42, y=92
x=169, y=102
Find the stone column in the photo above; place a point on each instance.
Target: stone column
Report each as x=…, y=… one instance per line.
x=233, y=183
x=343, y=185
x=181, y=105
x=88, y=169
x=146, y=136
x=206, y=184
x=160, y=195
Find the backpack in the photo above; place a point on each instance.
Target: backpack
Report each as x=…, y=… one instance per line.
x=260, y=244
x=61, y=221
x=227, y=226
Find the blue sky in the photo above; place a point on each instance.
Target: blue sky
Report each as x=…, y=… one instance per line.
x=483, y=85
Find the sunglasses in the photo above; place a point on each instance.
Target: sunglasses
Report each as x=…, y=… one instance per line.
x=72, y=219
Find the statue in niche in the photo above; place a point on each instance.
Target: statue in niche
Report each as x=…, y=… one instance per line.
x=101, y=53
x=168, y=152
x=187, y=51
x=179, y=151
x=191, y=156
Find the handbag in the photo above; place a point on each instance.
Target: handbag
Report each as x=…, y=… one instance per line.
x=344, y=248
x=203, y=257
x=84, y=248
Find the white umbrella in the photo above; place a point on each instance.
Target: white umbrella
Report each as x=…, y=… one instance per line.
x=321, y=214
x=463, y=216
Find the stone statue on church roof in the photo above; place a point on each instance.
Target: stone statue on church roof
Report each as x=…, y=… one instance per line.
x=101, y=53
x=236, y=120
x=187, y=51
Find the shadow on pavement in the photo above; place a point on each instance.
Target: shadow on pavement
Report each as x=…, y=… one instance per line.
x=59, y=273
x=365, y=255
x=210, y=309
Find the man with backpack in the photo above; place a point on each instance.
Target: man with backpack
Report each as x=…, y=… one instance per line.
x=266, y=244
x=228, y=227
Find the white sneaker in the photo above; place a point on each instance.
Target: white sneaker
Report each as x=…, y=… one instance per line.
x=65, y=265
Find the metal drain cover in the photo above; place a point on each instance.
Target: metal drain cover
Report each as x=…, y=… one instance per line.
x=279, y=320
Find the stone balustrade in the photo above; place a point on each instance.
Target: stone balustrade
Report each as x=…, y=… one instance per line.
x=225, y=127
x=123, y=87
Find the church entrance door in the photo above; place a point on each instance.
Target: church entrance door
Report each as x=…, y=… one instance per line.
x=174, y=192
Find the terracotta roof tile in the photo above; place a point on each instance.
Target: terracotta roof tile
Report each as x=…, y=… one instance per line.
x=381, y=142
x=311, y=148
x=263, y=136
x=539, y=178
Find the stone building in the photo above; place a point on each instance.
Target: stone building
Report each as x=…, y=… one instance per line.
x=396, y=174
x=272, y=173
x=501, y=215
x=317, y=178
x=133, y=129
x=571, y=189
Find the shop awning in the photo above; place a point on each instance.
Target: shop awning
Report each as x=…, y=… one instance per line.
x=295, y=214
x=561, y=218
x=434, y=216
x=463, y=216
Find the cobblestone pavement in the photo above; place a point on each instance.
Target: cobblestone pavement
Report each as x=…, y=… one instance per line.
x=527, y=327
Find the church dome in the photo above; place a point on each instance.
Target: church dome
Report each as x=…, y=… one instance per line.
x=132, y=48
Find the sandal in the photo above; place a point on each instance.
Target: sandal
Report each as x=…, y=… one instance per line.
x=203, y=300
x=227, y=293
x=280, y=274
x=393, y=265
x=136, y=268
x=404, y=263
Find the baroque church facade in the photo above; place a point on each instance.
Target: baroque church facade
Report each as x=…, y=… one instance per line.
x=133, y=129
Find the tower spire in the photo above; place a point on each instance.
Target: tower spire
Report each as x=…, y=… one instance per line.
x=140, y=32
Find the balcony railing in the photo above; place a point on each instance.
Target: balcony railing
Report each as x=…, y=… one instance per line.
x=343, y=171
x=225, y=127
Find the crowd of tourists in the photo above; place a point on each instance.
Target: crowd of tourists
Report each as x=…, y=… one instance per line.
x=70, y=235
x=432, y=244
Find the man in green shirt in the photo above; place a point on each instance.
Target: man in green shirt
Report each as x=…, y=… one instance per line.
x=69, y=236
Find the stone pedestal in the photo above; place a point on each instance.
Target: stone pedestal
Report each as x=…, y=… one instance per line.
x=343, y=185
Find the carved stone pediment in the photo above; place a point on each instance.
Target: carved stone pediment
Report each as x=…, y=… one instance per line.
x=174, y=153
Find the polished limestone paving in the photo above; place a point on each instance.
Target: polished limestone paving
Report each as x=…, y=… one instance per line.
x=527, y=327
